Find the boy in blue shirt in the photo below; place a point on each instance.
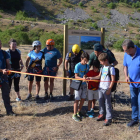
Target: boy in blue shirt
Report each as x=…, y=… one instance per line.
x=80, y=95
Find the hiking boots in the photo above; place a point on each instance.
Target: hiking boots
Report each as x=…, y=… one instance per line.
x=46, y=97
x=71, y=98
x=11, y=113
x=37, y=97
x=29, y=97
x=132, y=123
x=107, y=122
x=100, y=117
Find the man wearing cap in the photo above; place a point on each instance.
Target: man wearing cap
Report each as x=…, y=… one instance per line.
x=72, y=58
x=98, y=49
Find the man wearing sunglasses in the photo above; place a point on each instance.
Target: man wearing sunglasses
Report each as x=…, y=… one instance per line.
x=51, y=54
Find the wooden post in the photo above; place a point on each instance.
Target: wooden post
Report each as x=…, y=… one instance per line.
x=102, y=36
x=64, y=55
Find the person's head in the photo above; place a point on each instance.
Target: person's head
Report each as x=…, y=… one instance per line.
x=84, y=58
x=0, y=44
x=97, y=49
x=128, y=47
x=76, y=49
x=36, y=45
x=103, y=58
x=12, y=44
x=50, y=44
x=96, y=66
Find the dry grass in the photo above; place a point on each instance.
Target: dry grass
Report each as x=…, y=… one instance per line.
x=53, y=120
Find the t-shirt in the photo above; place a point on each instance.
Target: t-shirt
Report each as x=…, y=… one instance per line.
x=133, y=66
x=3, y=61
x=15, y=58
x=93, y=57
x=81, y=70
x=106, y=77
x=91, y=84
x=51, y=57
x=35, y=56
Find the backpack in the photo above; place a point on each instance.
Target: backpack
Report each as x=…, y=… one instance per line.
x=117, y=76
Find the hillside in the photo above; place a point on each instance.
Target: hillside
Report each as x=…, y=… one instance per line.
x=120, y=20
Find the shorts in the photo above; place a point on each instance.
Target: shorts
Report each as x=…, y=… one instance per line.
x=48, y=71
x=93, y=94
x=31, y=77
x=81, y=93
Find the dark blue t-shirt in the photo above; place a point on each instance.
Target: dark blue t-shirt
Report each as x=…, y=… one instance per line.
x=3, y=60
x=133, y=65
x=51, y=57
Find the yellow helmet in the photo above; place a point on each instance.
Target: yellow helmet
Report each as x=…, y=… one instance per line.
x=76, y=48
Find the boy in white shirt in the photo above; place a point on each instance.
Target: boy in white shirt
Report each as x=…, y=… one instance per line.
x=105, y=87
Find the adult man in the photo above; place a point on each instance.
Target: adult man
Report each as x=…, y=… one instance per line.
x=131, y=64
x=51, y=55
x=72, y=58
x=4, y=61
x=98, y=49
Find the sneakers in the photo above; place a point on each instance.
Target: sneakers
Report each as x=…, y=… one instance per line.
x=81, y=115
x=71, y=98
x=29, y=96
x=90, y=114
x=51, y=97
x=107, y=122
x=76, y=118
x=37, y=97
x=46, y=97
x=132, y=123
x=18, y=99
x=100, y=117
x=11, y=113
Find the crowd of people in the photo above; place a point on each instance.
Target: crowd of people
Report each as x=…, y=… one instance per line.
x=96, y=72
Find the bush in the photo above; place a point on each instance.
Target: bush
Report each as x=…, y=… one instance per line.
x=0, y=16
x=112, y=5
x=58, y=38
x=94, y=25
x=138, y=9
x=81, y=4
x=21, y=15
x=118, y=45
x=92, y=7
x=95, y=10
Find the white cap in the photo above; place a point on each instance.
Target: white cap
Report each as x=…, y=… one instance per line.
x=36, y=43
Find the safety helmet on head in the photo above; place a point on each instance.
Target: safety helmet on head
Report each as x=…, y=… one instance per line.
x=36, y=43
x=76, y=48
x=50, y=42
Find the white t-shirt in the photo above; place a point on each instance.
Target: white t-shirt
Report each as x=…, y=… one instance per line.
x=106, y=77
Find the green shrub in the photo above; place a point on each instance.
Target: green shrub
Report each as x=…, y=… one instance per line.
x=21, y=15
x=92, y=7
x=118, y=45
x=112, y=5
x=1, y=11
x=138, y=9
x=58, y=38
x=94, y=25
x=95, y=10
x=81, y=4
x=0, y=16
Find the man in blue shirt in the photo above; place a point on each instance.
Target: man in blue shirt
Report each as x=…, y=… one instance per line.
x=132, y=73
x=51, y=55
x=4, y=61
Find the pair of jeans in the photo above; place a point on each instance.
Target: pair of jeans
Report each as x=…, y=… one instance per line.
x=135, y=103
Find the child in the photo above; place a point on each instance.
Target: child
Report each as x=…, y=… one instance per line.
x=105, y=89
x=92, y=89
x=80, y=95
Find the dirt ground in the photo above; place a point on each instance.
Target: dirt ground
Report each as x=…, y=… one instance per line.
x=53, y=120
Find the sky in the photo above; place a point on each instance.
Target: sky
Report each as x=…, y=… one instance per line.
x=90, y=38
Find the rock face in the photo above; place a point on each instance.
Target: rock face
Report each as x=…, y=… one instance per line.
x=77, y=14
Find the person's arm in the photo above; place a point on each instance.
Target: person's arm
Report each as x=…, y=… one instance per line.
x=125, y=69
x=8, y=64
x=66, y=67
x=95, y=77
x=60, y=62
x=4, y=71
x=111, y=84
x=27, y=63
x=21, y=64
x=77, y=76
